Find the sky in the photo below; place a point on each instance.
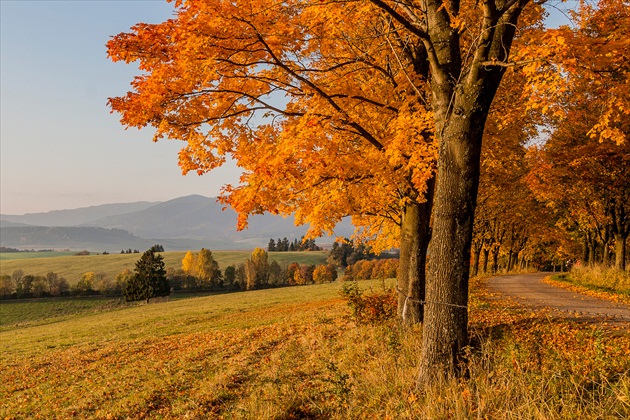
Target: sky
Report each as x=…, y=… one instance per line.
x=60, y=148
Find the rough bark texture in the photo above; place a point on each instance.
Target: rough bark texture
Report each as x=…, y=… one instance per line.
x=462, y=90
x=445, y=332
x=415, y=236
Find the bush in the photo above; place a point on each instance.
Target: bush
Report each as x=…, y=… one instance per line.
x=370, y=308
x=372, y=269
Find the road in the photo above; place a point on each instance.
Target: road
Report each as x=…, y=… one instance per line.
x=529, y=290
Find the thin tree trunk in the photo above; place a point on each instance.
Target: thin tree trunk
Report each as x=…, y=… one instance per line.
x=620, y=251
x=495, y=260
x=476, y=255
x=414, y=241
x=486, y=254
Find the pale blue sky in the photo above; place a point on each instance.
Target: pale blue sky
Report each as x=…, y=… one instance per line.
x=60, y=146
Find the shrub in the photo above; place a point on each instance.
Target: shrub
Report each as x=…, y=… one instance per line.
x=324, y=274
x=370, y=308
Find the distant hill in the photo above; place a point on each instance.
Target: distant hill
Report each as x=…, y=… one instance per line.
x=71, y=237
x=189, y=222
x=75, y=217
x=203, y=218
x=5, y=223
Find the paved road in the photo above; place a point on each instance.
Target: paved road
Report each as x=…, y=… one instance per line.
x=529, y=290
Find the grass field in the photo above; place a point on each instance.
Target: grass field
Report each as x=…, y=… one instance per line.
x=10, y=256
x=72, y=267
x=296, y=353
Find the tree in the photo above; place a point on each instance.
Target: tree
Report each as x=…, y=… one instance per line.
x=207, y=269
x=149, y=279
x=229, y=276
x=85, y=286
x=189, y=263
x=157, y=248
x=257, y=269
x=380, y=87
x=271, y=247
x=6, y=285
x=582, y=171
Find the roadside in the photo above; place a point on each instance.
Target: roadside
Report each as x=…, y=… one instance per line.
x=530, y=290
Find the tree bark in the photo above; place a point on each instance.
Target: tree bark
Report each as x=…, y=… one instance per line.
x=486, y=254
x=620, y=251
x=445, y=332
x=414, y=241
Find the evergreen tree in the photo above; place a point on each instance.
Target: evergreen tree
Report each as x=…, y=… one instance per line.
x=149, y=279
x=272, y=245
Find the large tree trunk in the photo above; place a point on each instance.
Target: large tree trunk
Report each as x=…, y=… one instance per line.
x=445, y=332
x=462, y=90
x=414, y=241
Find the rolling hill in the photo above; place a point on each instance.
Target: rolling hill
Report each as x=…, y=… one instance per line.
x=189, y=222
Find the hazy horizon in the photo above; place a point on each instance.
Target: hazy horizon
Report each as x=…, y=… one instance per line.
x=61, y=147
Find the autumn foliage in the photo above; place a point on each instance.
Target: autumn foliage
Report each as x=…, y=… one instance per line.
x=379, y=110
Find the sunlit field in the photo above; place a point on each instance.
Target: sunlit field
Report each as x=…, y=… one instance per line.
x=298, y=353
x=72, y=267
x=9, y=256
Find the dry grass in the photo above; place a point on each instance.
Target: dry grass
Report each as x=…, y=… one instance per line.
x=604, y=283
x=296, y=353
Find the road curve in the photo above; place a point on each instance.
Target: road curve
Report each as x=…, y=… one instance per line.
x=529, y=290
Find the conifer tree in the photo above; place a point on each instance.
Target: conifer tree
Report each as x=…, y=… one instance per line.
x=149, y=279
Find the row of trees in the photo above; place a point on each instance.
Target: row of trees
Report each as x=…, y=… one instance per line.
x=372, y=269
x=199, y=272
x=283, y=245
x=20, y=285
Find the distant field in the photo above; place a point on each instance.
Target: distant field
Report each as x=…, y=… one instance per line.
x=72, y=267
x=28, y=255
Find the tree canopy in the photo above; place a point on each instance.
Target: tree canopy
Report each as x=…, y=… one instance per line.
x=377, y=110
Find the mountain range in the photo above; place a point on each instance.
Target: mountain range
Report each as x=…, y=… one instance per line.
x=189, y=222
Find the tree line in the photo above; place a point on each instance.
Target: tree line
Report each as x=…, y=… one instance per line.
x=284, y=245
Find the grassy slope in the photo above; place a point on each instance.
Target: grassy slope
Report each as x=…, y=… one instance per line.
x=603, y=283
x=10, y=256
x=72, y=267
x=295, y=353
